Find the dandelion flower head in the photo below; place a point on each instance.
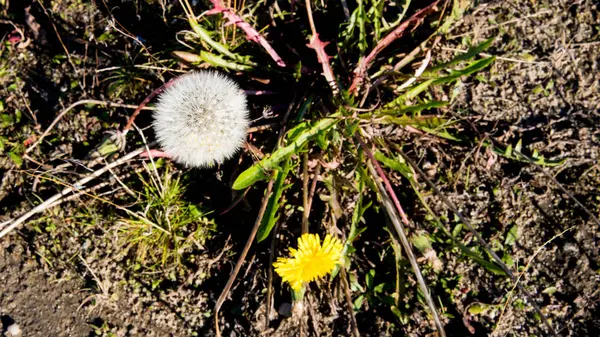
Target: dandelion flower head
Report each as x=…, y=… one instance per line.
x=310, y=261
x=201, y=119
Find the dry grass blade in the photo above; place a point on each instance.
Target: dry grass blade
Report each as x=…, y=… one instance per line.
x=350, y=307
x=480, y=239
x=308, y=195
x=559, y=185
x=75, y=186
x=270, y=275
x=395, y=212
x=94, y=188
x=72, y=106
x=305, y=213
x=242, y=257
x=525, y=270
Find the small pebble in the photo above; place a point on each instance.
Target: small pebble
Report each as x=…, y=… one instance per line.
x=13, y=330
x=570, y=248
x=285, y=309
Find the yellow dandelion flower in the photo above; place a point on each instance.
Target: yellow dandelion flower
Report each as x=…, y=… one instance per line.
x=310, y=261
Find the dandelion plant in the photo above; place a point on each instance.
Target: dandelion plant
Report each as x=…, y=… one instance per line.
x=201, y=120
x=310, y=261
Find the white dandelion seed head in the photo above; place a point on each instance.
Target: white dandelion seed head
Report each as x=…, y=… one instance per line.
x=201, y=119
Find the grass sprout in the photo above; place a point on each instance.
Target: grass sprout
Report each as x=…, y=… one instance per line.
x=168, y=227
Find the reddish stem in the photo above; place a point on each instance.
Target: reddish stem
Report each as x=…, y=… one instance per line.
x=260, y=92
x=154, y=154
x=145, y=102
x=251, y=33
x=386, y=182
x=319, y=47
x=365, y=63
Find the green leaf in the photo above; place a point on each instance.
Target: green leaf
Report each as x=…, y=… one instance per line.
x=519, y=146
x=297, y=131
x=271, y=213
x=511, y=236
x=354, y=284
x=414, y=91
x=218, y=61
x=156, y=283
x=205, y=36
x=490, y=266
x=475, y=66
x=304, y=107
x=322, y=140
x=550, y=290
x=417, y=108
x=357, y=22
x=7, y=120
x=18, y=115
x=396, y=311
x=508, y=151
x=15, y=158
x=366, y=178
x=517, y=155
x=421, y=242
x=457, y=229
x=380, y=287
x=477, y=308
x=508, y=260
x=454, y=75
x=425, y=123
x=358, y=302
x=259, y=171
x=397, y=164
x=249, y=177
x=370, y=279
x=470, y=54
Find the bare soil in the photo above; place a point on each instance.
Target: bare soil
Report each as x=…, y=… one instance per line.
x=65, y=275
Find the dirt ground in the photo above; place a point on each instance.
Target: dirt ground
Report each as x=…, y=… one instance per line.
x=543, y=89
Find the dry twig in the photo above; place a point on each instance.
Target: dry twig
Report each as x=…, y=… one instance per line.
x=242, y=257
x=309, y=198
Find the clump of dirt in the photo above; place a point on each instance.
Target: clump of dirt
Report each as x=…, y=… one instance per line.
x=40, y=304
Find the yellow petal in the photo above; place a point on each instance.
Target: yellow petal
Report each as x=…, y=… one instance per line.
x=310, y=261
